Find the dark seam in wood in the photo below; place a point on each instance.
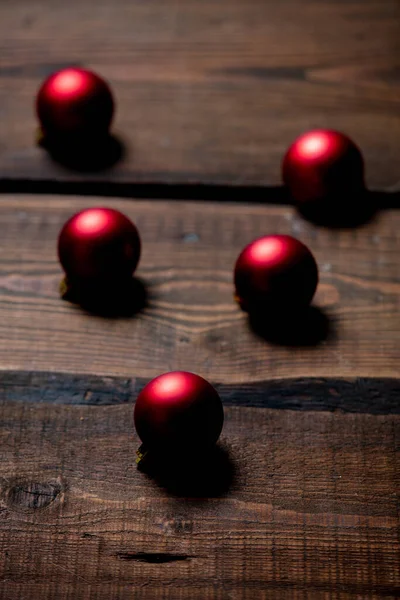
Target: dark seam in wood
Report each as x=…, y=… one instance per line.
x=265, y=73
x=359, y=395
x=174, y=191
x=153, y=558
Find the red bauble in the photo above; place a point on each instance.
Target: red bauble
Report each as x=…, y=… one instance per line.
x=98, y=245
x=275, y=271
x=178, y=411
x=76, y=103
x=323, y=167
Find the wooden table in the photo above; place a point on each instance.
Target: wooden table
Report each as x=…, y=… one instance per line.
x=300, y=499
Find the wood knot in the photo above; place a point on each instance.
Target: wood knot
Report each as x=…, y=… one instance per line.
x=27, y=496
x=177, y=526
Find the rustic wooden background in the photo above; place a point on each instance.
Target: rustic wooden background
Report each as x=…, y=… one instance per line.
x=301, y=498
x=191, y=320
x=209, y=91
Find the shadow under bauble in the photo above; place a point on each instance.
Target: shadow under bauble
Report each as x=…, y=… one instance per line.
x=109, y=299
x=348, y=211
x=85, y=154
x=204, y=474
x=308, y=326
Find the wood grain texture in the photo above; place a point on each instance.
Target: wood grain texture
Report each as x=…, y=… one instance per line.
x=191, y=321
x=310, y=510
x=376, y=396
x=208, y=92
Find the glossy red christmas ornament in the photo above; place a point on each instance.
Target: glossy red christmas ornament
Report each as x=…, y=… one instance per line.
x=75, y=103
x=98, y=245
x=277, y=272
x=178, y=411
x=323, y=167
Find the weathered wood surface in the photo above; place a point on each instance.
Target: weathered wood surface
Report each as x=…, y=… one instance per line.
x=297, y=503
x=191, y=320
x=375, y=396
x=301, y=499
x=209, y=92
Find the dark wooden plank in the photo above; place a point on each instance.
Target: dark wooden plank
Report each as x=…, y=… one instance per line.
x=308, y=509
x=191, y=321
x=209, y=92
x=362, y=395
